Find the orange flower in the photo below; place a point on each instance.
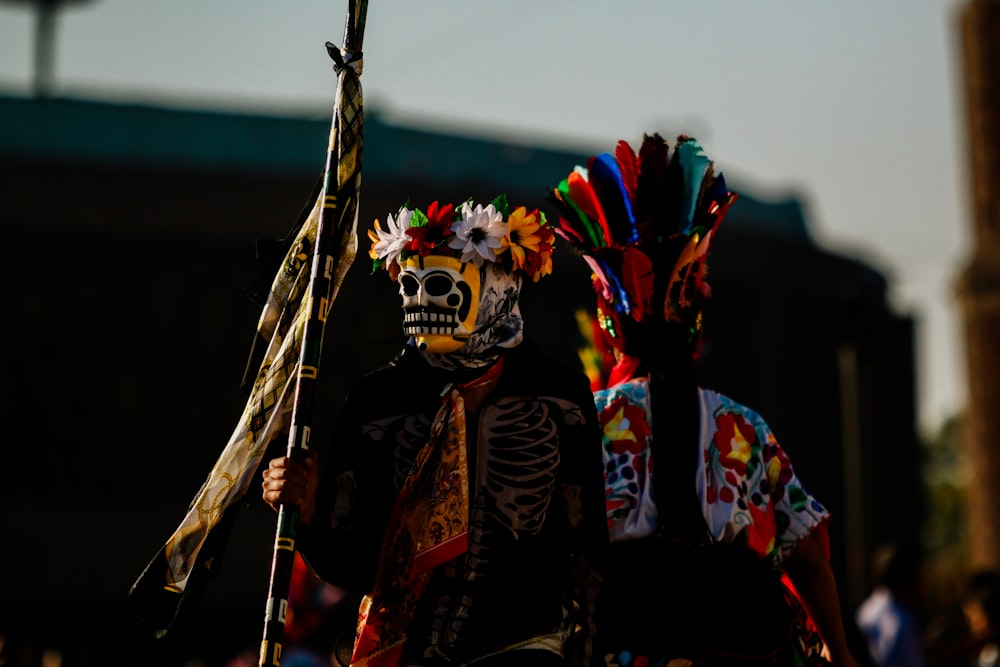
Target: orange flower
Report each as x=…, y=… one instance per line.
x=530, y=243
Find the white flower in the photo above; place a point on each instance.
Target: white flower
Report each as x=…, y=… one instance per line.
x=478, y=234
x=390, y=243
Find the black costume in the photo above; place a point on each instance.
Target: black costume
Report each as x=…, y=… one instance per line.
x=535, y=481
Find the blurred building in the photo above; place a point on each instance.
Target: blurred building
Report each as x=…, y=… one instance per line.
x=979, y=284
x=128, y=238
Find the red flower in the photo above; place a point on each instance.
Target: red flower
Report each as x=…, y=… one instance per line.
x=735, y=438
x=776, y=465
x=437, y=214
x=424, y=238
x=763, y=529
x=625, y=426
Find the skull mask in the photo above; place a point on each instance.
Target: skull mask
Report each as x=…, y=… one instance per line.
x=440, y=301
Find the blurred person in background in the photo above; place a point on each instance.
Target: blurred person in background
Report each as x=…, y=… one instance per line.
x=891, y=617
x=981, y=607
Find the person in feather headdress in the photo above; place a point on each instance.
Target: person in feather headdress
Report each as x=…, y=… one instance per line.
x=463, y=495
x=719, y=554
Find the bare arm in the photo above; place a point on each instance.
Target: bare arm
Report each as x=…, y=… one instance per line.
x=809, y=570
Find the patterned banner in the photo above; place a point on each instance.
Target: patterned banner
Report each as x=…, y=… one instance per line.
x=290, y=330
x=336, y=246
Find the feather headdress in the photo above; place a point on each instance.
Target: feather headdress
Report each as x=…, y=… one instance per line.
x=643, y=222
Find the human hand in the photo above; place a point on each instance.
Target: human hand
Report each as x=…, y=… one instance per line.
x=288, y=481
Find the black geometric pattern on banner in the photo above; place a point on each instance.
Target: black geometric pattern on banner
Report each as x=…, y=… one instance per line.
x=350, y=129
x=277, y=378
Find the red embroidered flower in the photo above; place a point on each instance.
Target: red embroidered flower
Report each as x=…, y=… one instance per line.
x=777, y=466
x=734, y=438
x=625, y=426
x=763, y=530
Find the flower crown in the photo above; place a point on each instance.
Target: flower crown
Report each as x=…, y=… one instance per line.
x=520, y=240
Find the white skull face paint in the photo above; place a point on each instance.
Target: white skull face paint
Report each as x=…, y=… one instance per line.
x=440, y=301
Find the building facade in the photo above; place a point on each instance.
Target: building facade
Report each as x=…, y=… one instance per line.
x=978, y=289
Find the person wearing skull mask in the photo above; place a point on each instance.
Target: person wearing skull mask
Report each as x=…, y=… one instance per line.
x=463, y=496
x=719, y=555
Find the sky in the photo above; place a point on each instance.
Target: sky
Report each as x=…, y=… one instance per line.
x=854, y=107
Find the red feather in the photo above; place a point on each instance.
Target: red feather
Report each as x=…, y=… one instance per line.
x=637, y=275
x=583, y=195
x=652, y=204
x=568, y=232
x=629, y=166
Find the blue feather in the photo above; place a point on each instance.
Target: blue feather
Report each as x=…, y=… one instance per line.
x=606, y=179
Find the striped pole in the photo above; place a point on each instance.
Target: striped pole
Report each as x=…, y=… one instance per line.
x=336, y=240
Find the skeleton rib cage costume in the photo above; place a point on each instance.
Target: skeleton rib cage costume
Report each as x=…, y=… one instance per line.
x=513, y=584
x=469, y=532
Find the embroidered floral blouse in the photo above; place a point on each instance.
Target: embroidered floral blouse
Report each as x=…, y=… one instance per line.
x=744, y=478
